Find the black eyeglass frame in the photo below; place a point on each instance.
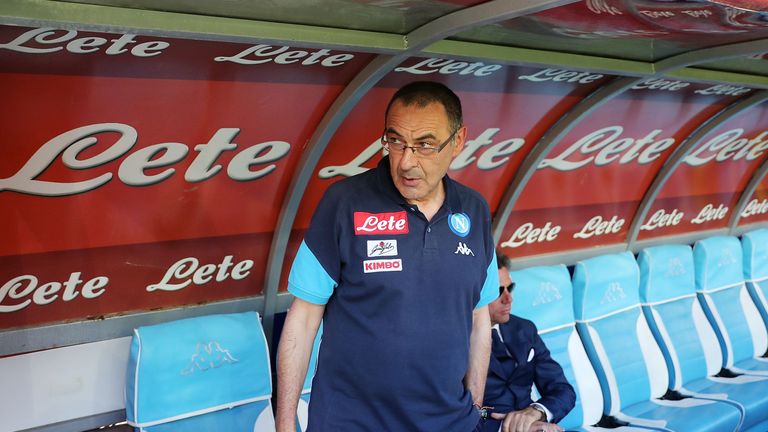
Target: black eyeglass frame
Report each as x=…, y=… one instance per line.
x=432, y=151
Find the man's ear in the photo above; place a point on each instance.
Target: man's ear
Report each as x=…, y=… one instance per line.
x=460, y=139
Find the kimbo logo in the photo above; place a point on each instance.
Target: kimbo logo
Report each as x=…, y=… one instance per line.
x=382, y=265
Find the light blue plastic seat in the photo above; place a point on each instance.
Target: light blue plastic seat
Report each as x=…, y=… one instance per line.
x=628, y=362
x=544, y=295
x=686, y=338
x=721, y=290
x=755, y=253
x=198, y=374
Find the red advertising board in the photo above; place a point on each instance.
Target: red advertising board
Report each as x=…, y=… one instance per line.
x=756, y=209
x=143, y=172
x=585, y=192
x=706, y=186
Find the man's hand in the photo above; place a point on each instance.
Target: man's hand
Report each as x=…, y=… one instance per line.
x=540, y=426
x=527, y=420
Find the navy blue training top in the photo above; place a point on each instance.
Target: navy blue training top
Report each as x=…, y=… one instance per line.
x=399, y=293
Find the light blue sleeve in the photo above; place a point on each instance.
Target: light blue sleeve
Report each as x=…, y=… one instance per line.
x=490, y=289
x=308, y=279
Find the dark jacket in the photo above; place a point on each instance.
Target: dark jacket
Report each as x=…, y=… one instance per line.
x=531, y=364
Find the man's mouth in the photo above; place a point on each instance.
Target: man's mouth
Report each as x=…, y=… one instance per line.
x=409, y=181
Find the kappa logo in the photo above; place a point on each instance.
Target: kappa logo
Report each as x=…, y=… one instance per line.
x=382, y=265
x=614, y=293
x=464, y=249
x=548, y=293
x=381, y=223
x=208, y=355
x=727, y=259
x=675, y=267
x=378, y=248
x=459, y=224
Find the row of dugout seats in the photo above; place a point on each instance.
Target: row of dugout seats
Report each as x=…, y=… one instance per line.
x=674, y=339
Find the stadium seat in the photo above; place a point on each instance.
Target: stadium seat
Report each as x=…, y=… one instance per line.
x=728, y=306
x=629, y=364
x=687, y=340
x=204, y=373
x=755, y=254
x=544, y=295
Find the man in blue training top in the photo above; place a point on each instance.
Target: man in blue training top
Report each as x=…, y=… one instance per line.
x=519, y=359
x=399, y=264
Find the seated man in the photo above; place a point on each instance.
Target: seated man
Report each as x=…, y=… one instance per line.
x=520, y=359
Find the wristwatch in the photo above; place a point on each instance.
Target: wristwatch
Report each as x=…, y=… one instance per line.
x=484, y=411
x=543, y=415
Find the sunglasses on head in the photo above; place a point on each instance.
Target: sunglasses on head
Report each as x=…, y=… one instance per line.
x=509, y=288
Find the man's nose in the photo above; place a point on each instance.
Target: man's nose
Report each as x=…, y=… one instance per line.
x=506, y=297
x=408, y=159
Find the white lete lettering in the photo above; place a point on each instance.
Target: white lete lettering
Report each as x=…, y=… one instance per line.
x=562, y=75
x=188, y=270
x=85, y=45
x=597, y=227
x=724, y=89
x=710, y=213
x=283, y=55
x=755, y=207
x=661, y=84
x=492, y=156
x=528, y=234
x=604, y=147
x=449, y=67
x=373, y=224
x=729, y=145
x=657, y=14
x=663, y=219
x=132, y=171
x=21, y=287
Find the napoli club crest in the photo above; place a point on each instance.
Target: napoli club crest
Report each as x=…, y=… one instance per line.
x=459, y=224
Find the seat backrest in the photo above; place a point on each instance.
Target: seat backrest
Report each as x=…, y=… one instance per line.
x=682, y=331
x=726, y=302
x=544, y=295
x=198, y=373
x=619, y=343
x=755, y=254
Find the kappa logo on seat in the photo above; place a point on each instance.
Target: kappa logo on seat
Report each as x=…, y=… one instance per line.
x=464, y=249
x=727, y=259
x=614, y=293
x=208, y=355
x=675, y=267
x=548, y=293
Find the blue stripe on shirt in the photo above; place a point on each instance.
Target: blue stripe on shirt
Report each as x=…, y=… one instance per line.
x=308, y=279
x=490, y=289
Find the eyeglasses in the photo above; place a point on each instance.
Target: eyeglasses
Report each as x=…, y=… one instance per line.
x=422, y=148
x=509, y=288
